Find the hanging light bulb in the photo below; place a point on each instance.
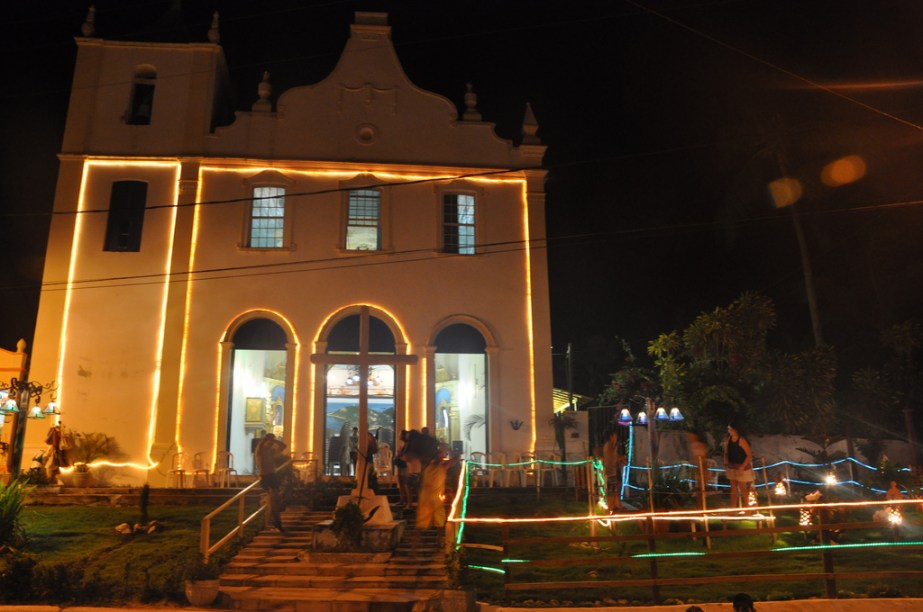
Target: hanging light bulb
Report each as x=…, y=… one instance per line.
x=624, y=417
x=661, y=414
x=675, y=414
x=830, y=478
x=51, y=408
x=36, y=412
x=10, y=406
x=642, y=418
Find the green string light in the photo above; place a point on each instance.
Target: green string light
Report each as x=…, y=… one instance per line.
x=483, y=568
x=841, y=546
x=674, y=554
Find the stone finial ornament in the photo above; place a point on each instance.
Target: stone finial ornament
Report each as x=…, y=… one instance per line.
x=88, y=28
x=263, y=90
x=529, y=127
x=471, y=102
x=214, y=36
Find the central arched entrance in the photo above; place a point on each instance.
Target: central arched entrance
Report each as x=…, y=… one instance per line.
x=362, y=374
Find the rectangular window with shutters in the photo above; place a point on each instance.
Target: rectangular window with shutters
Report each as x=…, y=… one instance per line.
x=126, y=216
x=363, y=223
x=458, y=234
x=267, y=218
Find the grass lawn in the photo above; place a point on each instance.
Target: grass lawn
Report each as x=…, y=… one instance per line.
x=583, y=562
x=79, y=556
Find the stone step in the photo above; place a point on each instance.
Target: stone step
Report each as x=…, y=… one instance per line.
x=271, y=567
x=282, y=572
x=329, y=600
x=334, y=582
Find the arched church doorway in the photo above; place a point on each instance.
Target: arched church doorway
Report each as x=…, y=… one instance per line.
x=256, y=404
x=362, y=383
x=460, y=399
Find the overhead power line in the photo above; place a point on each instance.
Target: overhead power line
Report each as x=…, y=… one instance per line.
x=386, y=258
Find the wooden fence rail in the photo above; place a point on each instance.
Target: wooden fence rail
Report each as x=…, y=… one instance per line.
x=519, y=574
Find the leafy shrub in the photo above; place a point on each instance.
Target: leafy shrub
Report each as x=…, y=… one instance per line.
x=91, y=446
x=884, y=591
x=12, y=499
x=16, y=571
x=197, y=568
x=347, y=524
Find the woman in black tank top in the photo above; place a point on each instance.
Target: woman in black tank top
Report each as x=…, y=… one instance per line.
x=738, y=466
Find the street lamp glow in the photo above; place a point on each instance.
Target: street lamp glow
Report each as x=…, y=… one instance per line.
x=785, y=191
x=843, y=171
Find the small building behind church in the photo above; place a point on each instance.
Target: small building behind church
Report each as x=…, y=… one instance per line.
x=357, y=248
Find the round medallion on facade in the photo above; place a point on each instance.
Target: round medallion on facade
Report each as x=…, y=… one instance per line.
x=366, y=133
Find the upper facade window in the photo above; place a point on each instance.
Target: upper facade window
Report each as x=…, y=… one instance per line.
x=363, y=222
x=267, y=218
x=141, y=104
x=458, y=223
x=126, y=216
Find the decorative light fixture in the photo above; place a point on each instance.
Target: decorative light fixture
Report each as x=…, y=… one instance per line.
x=9, y=406
x=780, y=490
x=894, y=516
x=643, y=418
x=830, y=478
x=751, y=499
x=18, y=396
x=805, y=518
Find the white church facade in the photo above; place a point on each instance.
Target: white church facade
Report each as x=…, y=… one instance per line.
x=358, y=252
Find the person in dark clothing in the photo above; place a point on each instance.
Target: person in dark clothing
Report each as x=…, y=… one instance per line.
x=267, y=452
x=738, y=466
x=743, y=603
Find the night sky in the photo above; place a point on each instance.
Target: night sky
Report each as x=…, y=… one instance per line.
x=664, y=120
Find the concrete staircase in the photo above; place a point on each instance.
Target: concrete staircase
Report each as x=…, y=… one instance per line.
x=280, y=572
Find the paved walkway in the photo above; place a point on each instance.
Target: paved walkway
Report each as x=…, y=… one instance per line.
x=801, y=605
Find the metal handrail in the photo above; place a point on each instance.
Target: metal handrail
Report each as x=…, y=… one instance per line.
x=242, y=521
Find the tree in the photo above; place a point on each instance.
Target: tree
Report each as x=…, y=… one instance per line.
x=890, y=390
x=630, y=382
x=721, y=368
x=715, y=367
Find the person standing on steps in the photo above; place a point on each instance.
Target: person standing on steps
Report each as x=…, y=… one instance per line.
x=431, y=500
x=612, y=465
x=738, y=466
x=267, y=456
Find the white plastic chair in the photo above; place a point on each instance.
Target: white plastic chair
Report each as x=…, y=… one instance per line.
x=384, y=466
x=200, y=468
x=176, y=477
x=548, y=469
x=224, y=469
x=305, y=467
x=497, y=469
x=478, y=470
x=526, y=468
